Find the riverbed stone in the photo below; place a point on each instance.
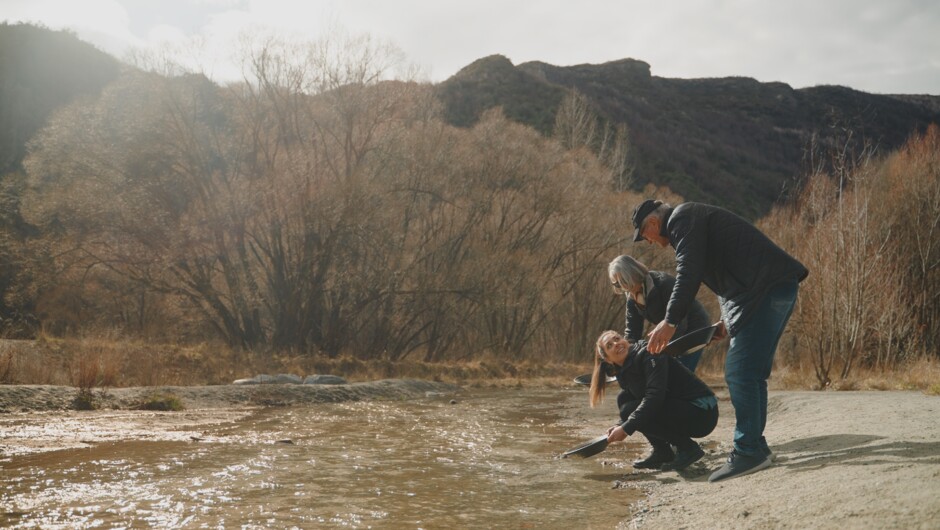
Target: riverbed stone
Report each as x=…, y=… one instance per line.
x=322, y=379
x=256, y=380
x=265, y=379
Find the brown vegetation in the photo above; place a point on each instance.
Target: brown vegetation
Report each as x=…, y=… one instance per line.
x=51, y=362
x=870, y=235
x=317, y=209
x=321, y=218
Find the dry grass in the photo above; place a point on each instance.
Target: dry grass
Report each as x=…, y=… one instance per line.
x=88, y=364
x=6, y=368
x=84, y=371
x=921, y=374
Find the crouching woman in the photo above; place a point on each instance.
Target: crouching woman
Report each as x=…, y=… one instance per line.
x=660, y=398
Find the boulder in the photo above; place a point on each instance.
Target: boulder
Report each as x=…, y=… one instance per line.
x=264, y=379
x=256, y=380
x=320, y=379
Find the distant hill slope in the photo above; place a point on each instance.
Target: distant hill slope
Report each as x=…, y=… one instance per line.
x=40, y=71
x=733, y=141
x=495, y=81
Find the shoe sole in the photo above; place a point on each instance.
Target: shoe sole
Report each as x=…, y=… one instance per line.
x=658, y=466
x=763, y=465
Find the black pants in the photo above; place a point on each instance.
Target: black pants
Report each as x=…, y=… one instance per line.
x=677, y=423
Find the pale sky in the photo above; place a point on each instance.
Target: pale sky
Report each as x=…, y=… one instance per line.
x=879, y=46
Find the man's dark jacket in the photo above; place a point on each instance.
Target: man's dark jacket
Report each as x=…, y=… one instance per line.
x=657, y=298
x=653, y=379
x=728, y=254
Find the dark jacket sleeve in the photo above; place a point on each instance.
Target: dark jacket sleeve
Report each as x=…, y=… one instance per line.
x=634, y=322
x=689, y=236
x=737, y=261
x=697, y=317
x=656, y=372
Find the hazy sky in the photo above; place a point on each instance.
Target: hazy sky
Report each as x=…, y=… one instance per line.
x=883, y=46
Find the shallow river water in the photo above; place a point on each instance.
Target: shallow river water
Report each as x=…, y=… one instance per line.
x=490, y=460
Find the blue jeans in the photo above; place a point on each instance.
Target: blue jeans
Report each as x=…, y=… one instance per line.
x=748, y=364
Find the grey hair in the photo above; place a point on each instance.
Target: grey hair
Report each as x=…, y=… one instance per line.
x=659, y=213
x=627, y=269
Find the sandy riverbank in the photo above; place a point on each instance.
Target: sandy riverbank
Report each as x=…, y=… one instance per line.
x=845, y=460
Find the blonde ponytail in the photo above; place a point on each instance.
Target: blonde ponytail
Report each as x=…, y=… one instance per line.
x=598, y=378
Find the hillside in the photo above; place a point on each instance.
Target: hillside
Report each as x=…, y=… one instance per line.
x=41, y=70
x=731, y=141
x=494, y=81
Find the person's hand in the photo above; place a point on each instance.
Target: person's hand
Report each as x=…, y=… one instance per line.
x=660, y=337
x=615, y=434
x=720, y=333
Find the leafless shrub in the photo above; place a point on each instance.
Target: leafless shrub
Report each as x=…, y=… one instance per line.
x=870, y=235
x=7, y=367
x=85, y=371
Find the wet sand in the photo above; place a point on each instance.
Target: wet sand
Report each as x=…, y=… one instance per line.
x=845, y=459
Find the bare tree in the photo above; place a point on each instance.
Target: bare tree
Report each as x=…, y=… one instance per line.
x=909, y=202
x=320, y=206
x=577, y=125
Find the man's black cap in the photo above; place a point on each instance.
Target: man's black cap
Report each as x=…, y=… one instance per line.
x=639, y=214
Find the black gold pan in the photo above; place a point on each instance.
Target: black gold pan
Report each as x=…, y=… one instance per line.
x=587, y=449
x=586, y=379
x=691, y=342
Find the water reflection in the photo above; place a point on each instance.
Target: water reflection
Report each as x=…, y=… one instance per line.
x=488, y=461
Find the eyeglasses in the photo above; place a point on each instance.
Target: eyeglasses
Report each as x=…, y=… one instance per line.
x=618, y=287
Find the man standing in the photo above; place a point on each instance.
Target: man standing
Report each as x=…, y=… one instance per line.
x=756, y=283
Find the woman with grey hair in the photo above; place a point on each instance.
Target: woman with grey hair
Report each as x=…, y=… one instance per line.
x=647, y=294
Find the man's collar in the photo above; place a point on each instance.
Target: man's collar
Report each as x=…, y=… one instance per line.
x=665, y=222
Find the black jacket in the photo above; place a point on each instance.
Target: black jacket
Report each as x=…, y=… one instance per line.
x=657, y=298
x=728, y=254
x=653, y=379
